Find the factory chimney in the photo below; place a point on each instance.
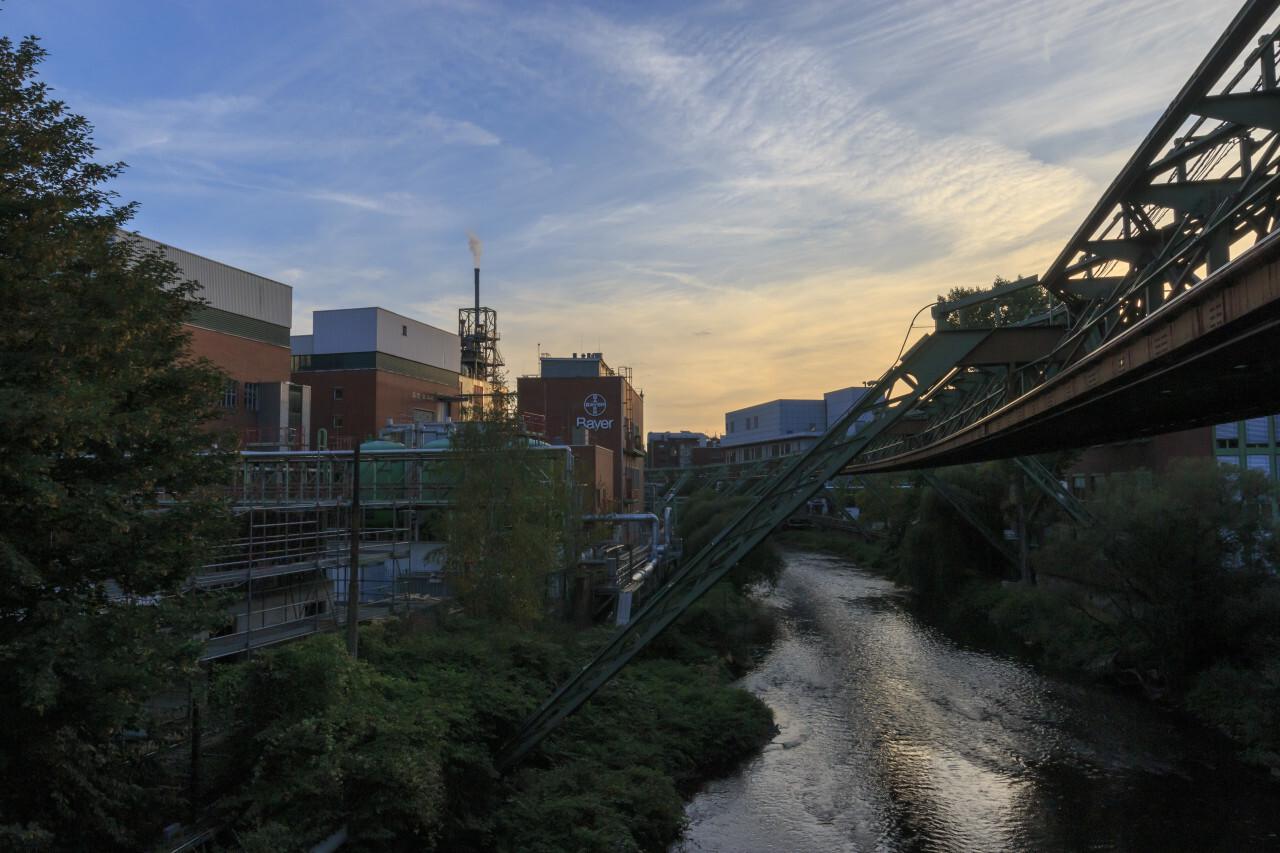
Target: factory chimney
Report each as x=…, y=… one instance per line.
x=474, y=242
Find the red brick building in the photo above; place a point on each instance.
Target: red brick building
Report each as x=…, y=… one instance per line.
x=593, y=474
x=676, y=449
x=1155, y=453
x=582, y=401
x=244, y=329
x=367, y=366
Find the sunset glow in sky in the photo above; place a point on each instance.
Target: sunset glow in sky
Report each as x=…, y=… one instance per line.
x=741, y=200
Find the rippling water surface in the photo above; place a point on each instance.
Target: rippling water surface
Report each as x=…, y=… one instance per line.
x=893, y=738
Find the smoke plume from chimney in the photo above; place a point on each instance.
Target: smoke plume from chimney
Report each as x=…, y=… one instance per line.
x=474, y=242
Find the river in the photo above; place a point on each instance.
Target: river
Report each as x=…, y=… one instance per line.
x=892, y=737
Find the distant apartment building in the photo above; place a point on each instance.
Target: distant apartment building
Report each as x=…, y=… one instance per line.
x=673, y=449
x=581, y=401
x=711, y=454
x=784, y=427
x=1253, y=444
x=368, y=366
x=244, y=329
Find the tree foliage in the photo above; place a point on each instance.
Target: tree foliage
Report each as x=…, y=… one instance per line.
x=707, y=512
x=1001, y=311
x=1184, y=558
x=508, y=527
x=942, y=550
x=398, y=746
x=100, y=408
x=322, y=742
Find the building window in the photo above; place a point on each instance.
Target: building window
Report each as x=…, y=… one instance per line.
x=251, y=396
x=337, y=392
x=228, y=400
x=337, y=421
x=1255, y=432
x=755, y=422
x=404, y=331
x=1226, y=436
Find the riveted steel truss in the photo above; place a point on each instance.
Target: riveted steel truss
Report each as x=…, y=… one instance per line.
x=1167, y=259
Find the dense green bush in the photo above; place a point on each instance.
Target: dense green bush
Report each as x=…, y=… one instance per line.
x=321, y=741
x=399, y=746
x=1180, y=567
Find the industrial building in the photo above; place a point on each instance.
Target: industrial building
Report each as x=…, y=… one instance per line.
x=1253, y=443
x=368, y=366
x=244, y=329
x=784, y=427
x=581, y=401
x=676, y=449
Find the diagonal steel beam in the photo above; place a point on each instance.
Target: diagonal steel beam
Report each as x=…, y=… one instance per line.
x=960, y=505
x=1221, y=56
x=1052, y=487
x=925, y=365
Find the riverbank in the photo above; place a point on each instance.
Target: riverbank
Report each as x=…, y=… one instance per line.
x=399, y=746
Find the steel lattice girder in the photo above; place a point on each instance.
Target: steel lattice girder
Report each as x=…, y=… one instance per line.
x=1205, y=177
x=1204, y=182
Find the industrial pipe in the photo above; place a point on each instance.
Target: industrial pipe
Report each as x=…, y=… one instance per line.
x=654, y=522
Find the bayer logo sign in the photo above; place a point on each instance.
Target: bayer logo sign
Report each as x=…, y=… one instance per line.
x=594, y=405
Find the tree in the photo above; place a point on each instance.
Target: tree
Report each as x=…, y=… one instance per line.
x=320, y=740
x=101, y=409
x=1001, y=311
x=507, y=529
x=1185, y=558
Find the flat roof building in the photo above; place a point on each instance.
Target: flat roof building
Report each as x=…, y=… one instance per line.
x=582, y=401
x=673, y=449
x=244, y=329
x=368, y=366
x=784, y=427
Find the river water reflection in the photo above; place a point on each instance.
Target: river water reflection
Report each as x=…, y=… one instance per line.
x=894, y=738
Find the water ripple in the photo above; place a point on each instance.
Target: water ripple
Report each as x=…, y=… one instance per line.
x=893, y=738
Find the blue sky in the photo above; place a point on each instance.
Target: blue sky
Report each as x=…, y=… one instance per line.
x=740, y=200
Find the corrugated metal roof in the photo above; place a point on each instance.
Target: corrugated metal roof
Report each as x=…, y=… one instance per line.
x=227, y=288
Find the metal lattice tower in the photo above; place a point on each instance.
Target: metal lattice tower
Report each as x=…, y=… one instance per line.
x=478, y=328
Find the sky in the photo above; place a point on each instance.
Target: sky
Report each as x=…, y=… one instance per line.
x=741, y=200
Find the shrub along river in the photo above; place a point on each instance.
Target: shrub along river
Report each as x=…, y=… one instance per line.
x=895, y=738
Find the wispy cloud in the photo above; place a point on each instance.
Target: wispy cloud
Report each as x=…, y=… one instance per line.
x=741, y=200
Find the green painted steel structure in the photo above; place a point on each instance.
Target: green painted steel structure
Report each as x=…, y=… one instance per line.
x=776, y=497
x=1149, y=305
